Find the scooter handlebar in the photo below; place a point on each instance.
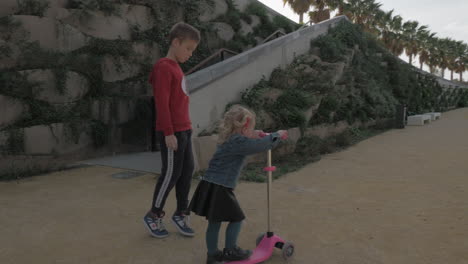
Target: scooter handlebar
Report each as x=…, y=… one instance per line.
x=283, y=136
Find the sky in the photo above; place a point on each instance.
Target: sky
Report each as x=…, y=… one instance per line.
x=447, y=18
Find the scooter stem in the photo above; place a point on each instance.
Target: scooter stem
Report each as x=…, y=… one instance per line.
x=269, y=191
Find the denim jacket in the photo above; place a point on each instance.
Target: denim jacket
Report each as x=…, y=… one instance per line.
x=228, y=160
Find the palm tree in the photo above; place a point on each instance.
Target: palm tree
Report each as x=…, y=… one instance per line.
x=433, y=54
x=461, y=63
x=444, y=47
x=410, y=35
x=384, y=29
x=424, y=41
x=452, y=56
x=389, y=29
x=299, y=7
x=321, y=11
x=379, y=17
x=336, y=5
x=362, y=12
x=395, y=36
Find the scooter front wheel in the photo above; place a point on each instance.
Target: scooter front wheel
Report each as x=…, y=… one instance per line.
x=287, y=250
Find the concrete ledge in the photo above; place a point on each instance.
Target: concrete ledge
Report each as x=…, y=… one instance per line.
x=203, y=77
x=443, y=82
x=450, y=84
x=434, y=115
x=419, y=120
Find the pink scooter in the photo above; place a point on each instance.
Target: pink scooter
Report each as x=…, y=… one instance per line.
x=266, y=242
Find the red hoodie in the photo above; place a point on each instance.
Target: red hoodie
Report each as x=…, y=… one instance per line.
x=171, y=97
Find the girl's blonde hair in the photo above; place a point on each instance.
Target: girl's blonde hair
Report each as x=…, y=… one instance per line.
x=236, y=117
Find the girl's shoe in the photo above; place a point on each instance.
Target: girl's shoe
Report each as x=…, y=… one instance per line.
x=217, y=258
x=236, y=254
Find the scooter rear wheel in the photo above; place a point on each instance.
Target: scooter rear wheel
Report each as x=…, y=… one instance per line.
x=287, y=250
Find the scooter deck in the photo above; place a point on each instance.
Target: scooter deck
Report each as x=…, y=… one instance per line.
x=263, y=251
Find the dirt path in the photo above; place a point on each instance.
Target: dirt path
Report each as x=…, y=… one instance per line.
x=400, y=197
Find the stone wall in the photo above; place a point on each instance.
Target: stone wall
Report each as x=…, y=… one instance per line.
x=74, y=77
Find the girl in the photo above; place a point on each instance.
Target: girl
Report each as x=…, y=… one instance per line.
x=214, y=197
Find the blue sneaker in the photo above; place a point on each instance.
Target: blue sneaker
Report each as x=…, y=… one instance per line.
x=182, y=222
x=155, y=225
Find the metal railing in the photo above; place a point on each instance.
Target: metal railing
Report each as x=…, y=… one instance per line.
x=306, y=24
x=221, y=53
x=278, y=33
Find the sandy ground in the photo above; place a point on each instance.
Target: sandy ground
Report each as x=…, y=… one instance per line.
x=399, y=197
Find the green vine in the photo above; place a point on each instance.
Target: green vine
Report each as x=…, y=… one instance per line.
x=232, y=17
x=155, y=34
x=15, y=142
x=99, y=133
x=60, y=79
x=252, y=97
x=5, y=50
x=32, y=7
x=8, y=26
x=108, y=7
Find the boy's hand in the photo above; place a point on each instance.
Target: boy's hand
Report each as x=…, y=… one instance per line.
x=171, y=142
x=283, y=134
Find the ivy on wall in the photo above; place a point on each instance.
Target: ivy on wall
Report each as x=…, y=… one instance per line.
x=371, y=86
x=87, y=60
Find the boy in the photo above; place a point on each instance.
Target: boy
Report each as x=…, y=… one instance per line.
x=173, y=128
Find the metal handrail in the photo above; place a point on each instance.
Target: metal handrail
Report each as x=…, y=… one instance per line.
x=220, y=52
x=306, y=24
x=275, y=34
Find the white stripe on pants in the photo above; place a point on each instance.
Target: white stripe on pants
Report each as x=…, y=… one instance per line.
x=167, y=177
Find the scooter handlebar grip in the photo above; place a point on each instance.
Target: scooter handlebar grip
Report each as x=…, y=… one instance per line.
x=272, y=168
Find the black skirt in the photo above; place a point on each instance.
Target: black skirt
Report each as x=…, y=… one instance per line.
x=216, y=203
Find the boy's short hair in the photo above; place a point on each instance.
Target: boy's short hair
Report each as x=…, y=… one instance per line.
x=183, y=31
